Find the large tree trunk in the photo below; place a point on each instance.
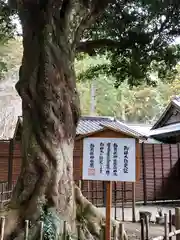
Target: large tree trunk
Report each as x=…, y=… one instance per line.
x=45, y=189
x=50, y=114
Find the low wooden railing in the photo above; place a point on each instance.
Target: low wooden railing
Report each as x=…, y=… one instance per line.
x=5, y=192
x=168, y=227
x=117, y=234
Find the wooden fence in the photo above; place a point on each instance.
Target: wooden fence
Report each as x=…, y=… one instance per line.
x=168, y=227
x=159, y=175
x=118, y=208
x=5, y=192
x=117, y=233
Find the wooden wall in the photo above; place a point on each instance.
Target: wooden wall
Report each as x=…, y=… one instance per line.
x=5, y=161
x=159, y=174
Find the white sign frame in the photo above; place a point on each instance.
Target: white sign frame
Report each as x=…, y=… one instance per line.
x=109, y=159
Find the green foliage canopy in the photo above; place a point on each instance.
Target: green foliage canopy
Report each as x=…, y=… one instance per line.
x=138, y=37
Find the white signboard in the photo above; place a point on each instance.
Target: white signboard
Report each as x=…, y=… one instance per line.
x=109, y=159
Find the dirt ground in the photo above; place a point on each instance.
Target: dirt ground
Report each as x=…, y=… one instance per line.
x=133, y=229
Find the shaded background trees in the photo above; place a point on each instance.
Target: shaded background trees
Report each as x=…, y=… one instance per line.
x=143, y=103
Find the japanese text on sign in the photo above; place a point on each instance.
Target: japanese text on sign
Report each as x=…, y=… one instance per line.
x=111, y=159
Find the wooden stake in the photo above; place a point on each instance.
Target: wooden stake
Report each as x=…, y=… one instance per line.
x=114, y=232
x=79, y=231
x=2, y=227
x=102, y=233
x=177, y=221
x=108, y=209
x=41, y=230
x=64, y=231
x=121, y=231
x=147, y=226
x=165, y=227
x=170, y=223
x=26, y=229
x=142, y=229
x=80, y=184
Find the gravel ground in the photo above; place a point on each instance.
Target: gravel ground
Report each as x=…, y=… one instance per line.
x=128, y=211
x=133, y=229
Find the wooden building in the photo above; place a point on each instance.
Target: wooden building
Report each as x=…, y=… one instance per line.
x=167, y=128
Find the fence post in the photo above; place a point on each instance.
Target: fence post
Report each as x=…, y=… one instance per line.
x=41, y=230
x=144, y=173
x=170, y=223
x=154, y=171
x=114, y=233
x=162, y=164
x=147, y=226
x=2, y=227
x=26, y=230
x=10, y=164
x=79, y=232
x=142, y=229
x=102, y=233
x=2, y=192
x=104, y=193
x=177, y=221
x=80, y=184
x=165, y=227
x=64, y=231
x=121, y=231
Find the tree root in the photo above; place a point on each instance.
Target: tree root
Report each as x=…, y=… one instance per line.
x=89, y=222
x=92, y=219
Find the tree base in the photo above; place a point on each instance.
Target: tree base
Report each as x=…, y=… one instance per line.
x=89, y=223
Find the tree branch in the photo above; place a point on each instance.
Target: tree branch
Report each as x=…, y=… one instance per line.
x=93, y=10
x=65, y=13
x=90, y=46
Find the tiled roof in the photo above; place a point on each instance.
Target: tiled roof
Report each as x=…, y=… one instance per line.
x=176, y=100
x=141, y=127
x=88, y=125
x=167, y=129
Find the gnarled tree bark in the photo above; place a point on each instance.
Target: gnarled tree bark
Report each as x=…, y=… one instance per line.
x=45, y=189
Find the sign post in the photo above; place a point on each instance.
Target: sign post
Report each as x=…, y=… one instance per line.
x=108, y=209
x=109, y=159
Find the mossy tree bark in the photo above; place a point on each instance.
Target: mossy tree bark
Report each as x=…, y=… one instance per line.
x=50, y=104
